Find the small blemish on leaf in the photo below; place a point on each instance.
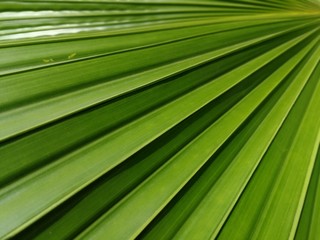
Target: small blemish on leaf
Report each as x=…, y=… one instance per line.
x=48, y=60
x=72, y=55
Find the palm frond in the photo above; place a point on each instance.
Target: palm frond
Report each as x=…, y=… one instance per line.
x=160, y=119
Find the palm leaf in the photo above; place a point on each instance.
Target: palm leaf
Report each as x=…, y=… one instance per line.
x=159, y=119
